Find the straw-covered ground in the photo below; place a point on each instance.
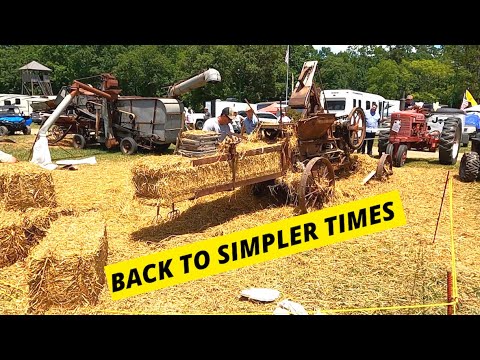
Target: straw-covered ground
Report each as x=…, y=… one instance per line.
x=401, y=267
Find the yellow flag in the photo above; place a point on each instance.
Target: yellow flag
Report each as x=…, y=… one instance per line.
x=470, y=98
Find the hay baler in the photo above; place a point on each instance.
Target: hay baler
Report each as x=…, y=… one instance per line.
x=322, y=144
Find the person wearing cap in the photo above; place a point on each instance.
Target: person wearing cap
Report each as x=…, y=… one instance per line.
x=249, y=122
x=409, y=103
x=206, y=114
x=221, y=124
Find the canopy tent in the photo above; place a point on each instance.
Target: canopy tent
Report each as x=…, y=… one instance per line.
x=274, y=108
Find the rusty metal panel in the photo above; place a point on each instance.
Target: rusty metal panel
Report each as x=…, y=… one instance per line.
x=315, y=127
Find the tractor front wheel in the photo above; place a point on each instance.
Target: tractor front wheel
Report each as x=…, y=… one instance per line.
x=401, y=155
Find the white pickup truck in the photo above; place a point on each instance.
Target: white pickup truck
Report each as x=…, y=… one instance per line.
x=197, y=119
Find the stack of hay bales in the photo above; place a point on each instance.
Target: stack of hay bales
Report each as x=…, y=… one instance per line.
x=67, y=268
x=197, y=143
x=26, y=185
x=20, y=231
x=174, y=178
x=27, y=207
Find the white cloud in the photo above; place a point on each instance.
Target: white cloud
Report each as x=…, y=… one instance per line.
x=335, y=48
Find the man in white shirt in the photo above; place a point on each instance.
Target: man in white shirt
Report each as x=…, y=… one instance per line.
x=372, y=119
x=221, y=124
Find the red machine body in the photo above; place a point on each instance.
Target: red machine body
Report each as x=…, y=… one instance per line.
x=412, y=131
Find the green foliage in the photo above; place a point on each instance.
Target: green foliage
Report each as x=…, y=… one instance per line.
x=256, y=72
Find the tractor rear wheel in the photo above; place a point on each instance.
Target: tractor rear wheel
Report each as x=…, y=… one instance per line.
x=450, y=139
x=3, y=130
x=469, y=167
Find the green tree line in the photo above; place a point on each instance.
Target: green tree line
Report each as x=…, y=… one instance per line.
x=256, y=72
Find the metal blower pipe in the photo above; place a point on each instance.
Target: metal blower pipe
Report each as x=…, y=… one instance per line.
x=210, y=75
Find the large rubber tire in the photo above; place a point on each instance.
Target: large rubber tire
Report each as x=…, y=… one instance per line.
x=469, y=167
x=78, y=141
x=3, y=131
x=389, y=150
x=199, y=124
x=27, y=130
x=450, y=139
x=383, y=141
x=401, y=155
x=128, y=146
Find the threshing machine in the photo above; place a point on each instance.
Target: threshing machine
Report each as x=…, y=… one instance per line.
x=103, y=116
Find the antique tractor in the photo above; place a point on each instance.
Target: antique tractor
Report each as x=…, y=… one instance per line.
x=409, y=130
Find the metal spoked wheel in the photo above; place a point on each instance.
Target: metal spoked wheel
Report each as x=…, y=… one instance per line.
x=384, y=167
x=56, y=133
x=357, y=128
x=316, y=184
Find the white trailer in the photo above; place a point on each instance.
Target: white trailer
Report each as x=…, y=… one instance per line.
x=342, y=101
x=23, y=102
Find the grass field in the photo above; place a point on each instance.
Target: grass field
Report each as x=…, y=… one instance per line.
x=397, y=271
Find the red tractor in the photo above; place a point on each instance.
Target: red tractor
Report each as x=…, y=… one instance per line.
x=409, y=131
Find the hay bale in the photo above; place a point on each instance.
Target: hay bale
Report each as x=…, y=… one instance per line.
x=173, y=178
x=67, y=268
x=20, y=231
x=25, y=185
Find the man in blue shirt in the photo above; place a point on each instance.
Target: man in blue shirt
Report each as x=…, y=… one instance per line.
x=250, y=122
x=372, y=119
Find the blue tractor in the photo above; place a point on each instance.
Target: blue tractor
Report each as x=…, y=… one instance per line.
x=13, y=120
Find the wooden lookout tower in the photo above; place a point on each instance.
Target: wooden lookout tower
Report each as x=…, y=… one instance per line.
x=36, y=79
